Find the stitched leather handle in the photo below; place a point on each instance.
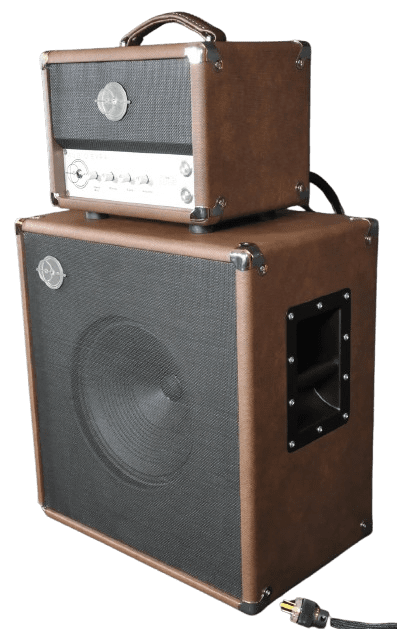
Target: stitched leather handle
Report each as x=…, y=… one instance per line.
x=199, y=26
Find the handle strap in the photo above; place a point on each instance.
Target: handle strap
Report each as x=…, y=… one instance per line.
x=199, y=26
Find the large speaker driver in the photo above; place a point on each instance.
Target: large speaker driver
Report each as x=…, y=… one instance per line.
x=131, y=401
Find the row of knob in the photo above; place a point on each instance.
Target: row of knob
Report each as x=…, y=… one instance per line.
x=122, y=178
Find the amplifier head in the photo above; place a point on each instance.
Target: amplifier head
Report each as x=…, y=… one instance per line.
x=201, y=404
x=193, y=133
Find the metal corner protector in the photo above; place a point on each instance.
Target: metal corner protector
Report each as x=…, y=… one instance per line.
x=44, y=59
x=19, y=226
x=201, y=213
x=248, y=256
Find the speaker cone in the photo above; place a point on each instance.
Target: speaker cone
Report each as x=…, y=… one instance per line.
x=131, y=401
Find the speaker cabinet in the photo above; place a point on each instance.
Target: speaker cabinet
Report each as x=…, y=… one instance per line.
x=205, y=405
x=179, y=132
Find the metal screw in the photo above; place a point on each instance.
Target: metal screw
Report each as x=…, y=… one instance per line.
x=346, y=337
x=319, y=305
x=219, y=65
x=268, y=592
x=292, y=444
x=368, y=240
x=345, y=416
x=366, y=526
x=291, y=316
x=319, y=429
x=263, y=269
x=291, y=402
x=300, y=63
x=346, y=295
x=299, y=187
x=291, y=360
x=221, y=201
x=345, y=376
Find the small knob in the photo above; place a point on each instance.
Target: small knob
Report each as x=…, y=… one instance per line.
x=124, y=178
x=92, y=174
x=107, y=177
x=186, y=195
x=185, y=169
x=141, y=179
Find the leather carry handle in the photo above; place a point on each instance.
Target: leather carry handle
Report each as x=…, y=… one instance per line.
x=199, y=26
x=328, y=191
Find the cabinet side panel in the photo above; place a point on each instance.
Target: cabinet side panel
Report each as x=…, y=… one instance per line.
x=310, y=503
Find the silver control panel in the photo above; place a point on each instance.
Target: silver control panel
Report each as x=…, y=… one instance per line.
x=144, y=178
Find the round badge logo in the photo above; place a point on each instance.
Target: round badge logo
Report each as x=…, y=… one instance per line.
x=51, y=272
x=112, y=101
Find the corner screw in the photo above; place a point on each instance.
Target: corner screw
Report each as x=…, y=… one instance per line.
x=368, y=240
x=268, y=592
x=292, y=444
x=300, y=63
x=319, y=429
x=346, y=295
x=346, y=337
x=291, y=360
x=319, y=305
x=291, y=402
x=345, y=376
x=291, y=316
x=219, y=64
x=263, y=269
x=299, y=187
x=345, y=416
x=366, y=527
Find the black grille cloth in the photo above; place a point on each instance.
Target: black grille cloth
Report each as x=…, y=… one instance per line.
x=158, y=120
x=149, y=458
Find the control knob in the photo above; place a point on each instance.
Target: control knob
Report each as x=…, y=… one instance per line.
x=107, y=177
x=141, y=179
x=124, y=178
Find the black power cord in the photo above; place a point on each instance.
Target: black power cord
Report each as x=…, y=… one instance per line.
x=307, y=613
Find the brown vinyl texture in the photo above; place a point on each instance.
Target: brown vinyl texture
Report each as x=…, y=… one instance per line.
x=250, y=127
x=298, y=510
x=31, y=374
x=55, y=152
x=153, y=563
x=306, y=507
